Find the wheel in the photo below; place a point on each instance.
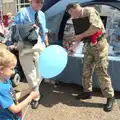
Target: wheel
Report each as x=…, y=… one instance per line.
x=15, y=79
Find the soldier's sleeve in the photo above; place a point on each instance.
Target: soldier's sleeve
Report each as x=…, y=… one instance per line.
x=95, y=19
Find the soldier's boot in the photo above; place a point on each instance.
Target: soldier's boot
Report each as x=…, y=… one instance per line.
x=109, y=104
x=84, y=95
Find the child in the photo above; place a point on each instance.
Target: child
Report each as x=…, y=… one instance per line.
x=9, y=106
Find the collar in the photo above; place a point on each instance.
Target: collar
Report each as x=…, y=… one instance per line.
x=81, y=12
x=32, y=9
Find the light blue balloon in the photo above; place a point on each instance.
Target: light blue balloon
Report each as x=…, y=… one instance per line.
x=52, y=61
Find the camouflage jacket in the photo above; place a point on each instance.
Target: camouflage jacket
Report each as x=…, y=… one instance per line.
x=94, y=19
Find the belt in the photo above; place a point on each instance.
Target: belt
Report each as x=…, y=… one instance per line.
x=101, y=36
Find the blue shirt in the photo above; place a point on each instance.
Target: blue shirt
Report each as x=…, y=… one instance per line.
x=22, y=17
x=7, y=98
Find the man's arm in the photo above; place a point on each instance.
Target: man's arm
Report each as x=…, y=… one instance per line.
x=45, y=29
x=46, y=40
x=92, y=30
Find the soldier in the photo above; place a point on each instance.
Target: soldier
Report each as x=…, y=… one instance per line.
x=95, y=56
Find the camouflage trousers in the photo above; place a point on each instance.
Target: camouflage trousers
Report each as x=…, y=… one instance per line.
x=96, y=58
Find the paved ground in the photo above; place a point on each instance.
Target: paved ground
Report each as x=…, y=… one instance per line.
x=59, y=103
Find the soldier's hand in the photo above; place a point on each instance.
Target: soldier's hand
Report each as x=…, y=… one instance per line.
x=72, y=48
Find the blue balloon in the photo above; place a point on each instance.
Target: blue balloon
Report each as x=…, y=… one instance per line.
x=52, y=61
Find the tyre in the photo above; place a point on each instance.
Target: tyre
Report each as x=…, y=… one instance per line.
x=16, y=79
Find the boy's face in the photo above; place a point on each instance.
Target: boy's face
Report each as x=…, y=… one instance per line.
x=8, y=71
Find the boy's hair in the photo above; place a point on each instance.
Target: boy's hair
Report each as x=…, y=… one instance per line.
x=6, y=57
x=71, y=5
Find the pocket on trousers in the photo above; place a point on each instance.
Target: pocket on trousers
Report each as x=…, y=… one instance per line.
x=102, y=44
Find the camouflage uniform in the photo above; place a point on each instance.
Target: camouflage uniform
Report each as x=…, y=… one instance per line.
x=96, y=57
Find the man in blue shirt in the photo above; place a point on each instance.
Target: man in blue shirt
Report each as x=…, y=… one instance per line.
x=29, y=54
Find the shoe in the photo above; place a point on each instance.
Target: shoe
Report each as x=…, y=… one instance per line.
x=109, y=105
x=84, y=95
x=35, y=104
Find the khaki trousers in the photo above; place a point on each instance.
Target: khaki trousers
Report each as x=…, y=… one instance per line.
x=29, y=63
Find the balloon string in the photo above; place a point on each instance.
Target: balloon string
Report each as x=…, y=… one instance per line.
x=36, y=88
x=25, y=112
